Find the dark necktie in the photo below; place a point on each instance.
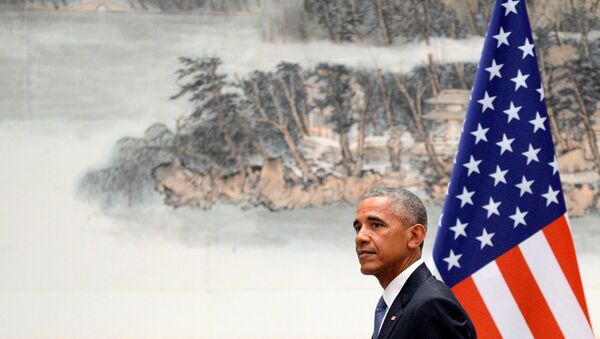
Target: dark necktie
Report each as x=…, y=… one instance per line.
x=379, y=313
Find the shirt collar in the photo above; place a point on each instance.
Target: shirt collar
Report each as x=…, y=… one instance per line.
x=393, y=289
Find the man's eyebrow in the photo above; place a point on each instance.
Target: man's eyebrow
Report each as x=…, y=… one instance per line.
x=375, y=219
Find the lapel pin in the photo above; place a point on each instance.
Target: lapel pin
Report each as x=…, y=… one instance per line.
x=393, y=318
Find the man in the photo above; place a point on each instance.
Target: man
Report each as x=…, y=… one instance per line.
x=390, y=225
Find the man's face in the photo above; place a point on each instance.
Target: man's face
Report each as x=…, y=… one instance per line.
x=381, y=238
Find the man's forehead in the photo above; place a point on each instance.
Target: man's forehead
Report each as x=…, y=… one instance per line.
x=375, y=202
x=376, y=206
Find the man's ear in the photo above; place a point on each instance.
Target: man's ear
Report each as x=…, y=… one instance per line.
x=416, y=236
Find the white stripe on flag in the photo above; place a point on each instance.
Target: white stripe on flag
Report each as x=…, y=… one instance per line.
x=500, y=302
x=555, y=287
x=433, y=268
x=568, y=222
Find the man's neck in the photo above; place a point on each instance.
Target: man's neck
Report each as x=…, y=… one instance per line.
x=386, y=277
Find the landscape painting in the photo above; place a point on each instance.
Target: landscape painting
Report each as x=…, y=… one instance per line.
x=191, y=168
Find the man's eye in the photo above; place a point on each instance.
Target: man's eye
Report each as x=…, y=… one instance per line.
x=376, y=224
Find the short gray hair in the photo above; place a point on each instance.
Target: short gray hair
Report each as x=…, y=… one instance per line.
x=408, y=206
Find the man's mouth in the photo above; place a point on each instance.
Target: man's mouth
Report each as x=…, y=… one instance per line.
x=364, y=253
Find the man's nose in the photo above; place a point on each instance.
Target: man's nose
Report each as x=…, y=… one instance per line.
x=363, y=236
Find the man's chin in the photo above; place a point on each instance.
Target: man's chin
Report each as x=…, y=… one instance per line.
x=366, y=270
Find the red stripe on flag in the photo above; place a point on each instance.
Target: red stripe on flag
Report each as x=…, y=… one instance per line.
x=559, y=237
x=467, y=293
x=528, y=295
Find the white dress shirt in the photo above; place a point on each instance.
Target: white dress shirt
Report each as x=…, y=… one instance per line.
x=393, y=289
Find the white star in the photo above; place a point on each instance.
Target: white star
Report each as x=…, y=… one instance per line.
x=492, y=207
x=485, y=238
x=519, y=80
x=538, y=122
x=499, y=175
x=459, y=229
x=510, y=6
x=525, y=186
x=541, y=91
x=527, y=48
x=479, y=134
x=452, y=260
x=513, y=112
x=531, y=154
x=472, y=165
x=505, y=144
x=502, y=37
x=519, y=217
x=551, y=196
x=554, y=165
x=494, y=70
x=487, y=102
x=465, y=197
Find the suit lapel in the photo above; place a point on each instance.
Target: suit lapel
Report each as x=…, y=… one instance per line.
x=396, y=311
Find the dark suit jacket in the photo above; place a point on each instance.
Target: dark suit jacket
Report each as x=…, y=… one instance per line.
x=426, y=308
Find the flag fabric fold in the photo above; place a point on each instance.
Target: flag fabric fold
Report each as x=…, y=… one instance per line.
x=504, y=244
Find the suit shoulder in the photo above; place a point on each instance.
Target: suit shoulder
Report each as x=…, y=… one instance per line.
x=439, y=314
x=433, y=289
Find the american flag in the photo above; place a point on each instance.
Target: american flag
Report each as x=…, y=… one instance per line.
x=504, y=245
